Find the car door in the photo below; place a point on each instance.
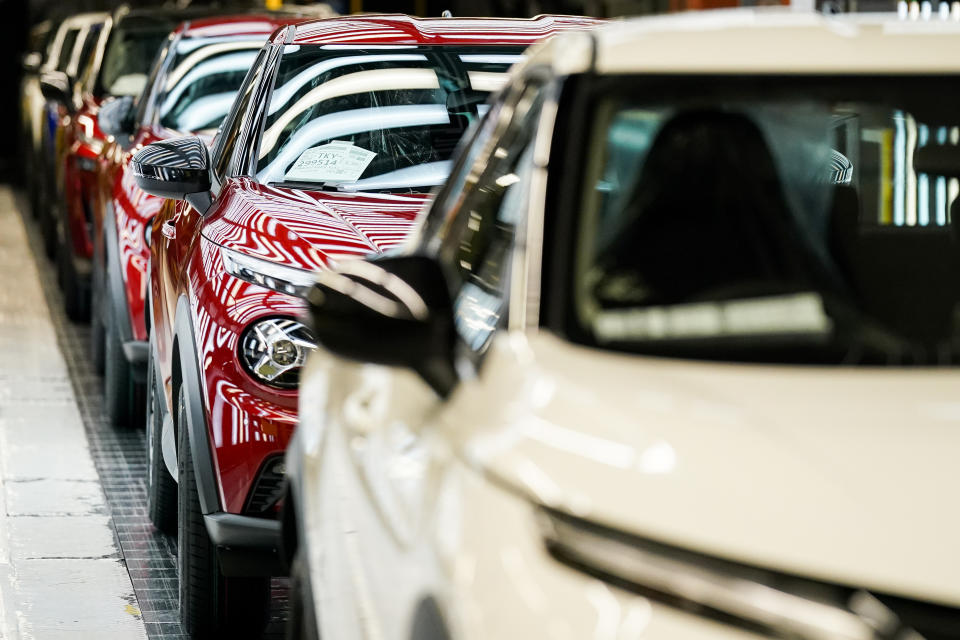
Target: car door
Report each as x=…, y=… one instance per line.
x=387, y=461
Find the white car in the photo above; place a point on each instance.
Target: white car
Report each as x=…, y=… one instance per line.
x=673, y=354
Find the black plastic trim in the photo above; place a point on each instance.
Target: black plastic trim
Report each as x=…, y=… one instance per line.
x=196, y=420
x=115, y=289
x=246, y=546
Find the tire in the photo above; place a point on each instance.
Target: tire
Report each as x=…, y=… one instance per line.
x=76, y=297
x=211, y=605
x=119, y=390
x=161, y=487
x=48, y=224
x=97, y=330
x=302, y=623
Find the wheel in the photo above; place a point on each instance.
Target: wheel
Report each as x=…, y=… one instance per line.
x=302, y=623
x=97, y=330
x=211, y=605
x=119, y=390
x=161, y=487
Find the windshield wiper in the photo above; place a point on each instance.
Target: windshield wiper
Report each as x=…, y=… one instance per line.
x=311, y=186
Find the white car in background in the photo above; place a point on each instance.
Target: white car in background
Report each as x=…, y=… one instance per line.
x=673, y=354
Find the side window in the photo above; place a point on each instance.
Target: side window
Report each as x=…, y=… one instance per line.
x=83, y=59
x=477, y=246
x=66, y=49
x=232, y=128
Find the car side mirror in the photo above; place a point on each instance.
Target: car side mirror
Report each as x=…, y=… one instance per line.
x=57, y=87
x=178, y=169
x=116, y=117
x=392, y=310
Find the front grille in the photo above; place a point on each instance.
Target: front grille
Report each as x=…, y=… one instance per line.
x=267, y=489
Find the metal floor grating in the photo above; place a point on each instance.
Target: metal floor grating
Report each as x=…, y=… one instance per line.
x=120, y=458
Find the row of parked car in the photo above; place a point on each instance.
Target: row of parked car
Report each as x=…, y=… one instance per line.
x=636, y=339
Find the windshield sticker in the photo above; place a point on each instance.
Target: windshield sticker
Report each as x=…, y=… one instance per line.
x=797, y=314
x=337, y=161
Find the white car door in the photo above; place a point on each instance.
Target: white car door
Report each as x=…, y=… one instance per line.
x=385, y=463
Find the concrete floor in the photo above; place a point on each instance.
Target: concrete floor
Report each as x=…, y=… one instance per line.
x=52, y=424
x=62, y=571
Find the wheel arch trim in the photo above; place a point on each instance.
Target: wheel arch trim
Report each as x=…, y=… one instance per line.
x=185, y=341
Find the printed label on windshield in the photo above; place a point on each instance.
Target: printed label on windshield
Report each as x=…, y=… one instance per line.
x=337, y=161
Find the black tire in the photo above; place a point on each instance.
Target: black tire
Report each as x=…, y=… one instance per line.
x=302, y=623
x=48, y=224
x=119, y=389
x=76, y=296
x=211, y=606
x=161, y=487
x=97, y=329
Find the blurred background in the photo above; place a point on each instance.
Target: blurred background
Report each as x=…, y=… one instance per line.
x=19, y=15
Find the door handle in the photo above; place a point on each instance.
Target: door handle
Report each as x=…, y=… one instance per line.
x=168, y=230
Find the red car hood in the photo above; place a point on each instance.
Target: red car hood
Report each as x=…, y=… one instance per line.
x=305, y=229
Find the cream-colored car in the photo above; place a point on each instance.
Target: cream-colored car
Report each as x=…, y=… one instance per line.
x=673, y=354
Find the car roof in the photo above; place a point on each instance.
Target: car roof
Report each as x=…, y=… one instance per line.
x=397, y=29
x=235, y=25
x=763, y=41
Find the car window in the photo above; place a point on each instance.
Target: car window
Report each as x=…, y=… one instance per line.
x=232, y=128
x=476, y=246
x=203, y=82
x=66, y=49
x=130, y=51
x=375, y=118
x=81, y=62
x=770, y=223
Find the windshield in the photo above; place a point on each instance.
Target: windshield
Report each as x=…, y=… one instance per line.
x=796, y=221
x=131, y=48
x=375, y=118
x=202, y=82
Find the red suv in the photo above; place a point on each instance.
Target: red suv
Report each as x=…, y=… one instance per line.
x=117, y=65
x=190, y=89
x=339, y=133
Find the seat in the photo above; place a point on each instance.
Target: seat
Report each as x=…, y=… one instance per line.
x=709, y=213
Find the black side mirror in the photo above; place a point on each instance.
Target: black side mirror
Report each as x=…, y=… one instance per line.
x=57, y=87
x=178, y=169
x=116, y=117
x=393, y=310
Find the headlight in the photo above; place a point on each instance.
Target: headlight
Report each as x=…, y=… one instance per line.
x=295, y=282
x=274, y=350
x=781, y=605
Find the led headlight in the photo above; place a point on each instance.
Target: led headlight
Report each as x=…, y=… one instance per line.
x=289, y=280
x=274, y=350
x=776, y=604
